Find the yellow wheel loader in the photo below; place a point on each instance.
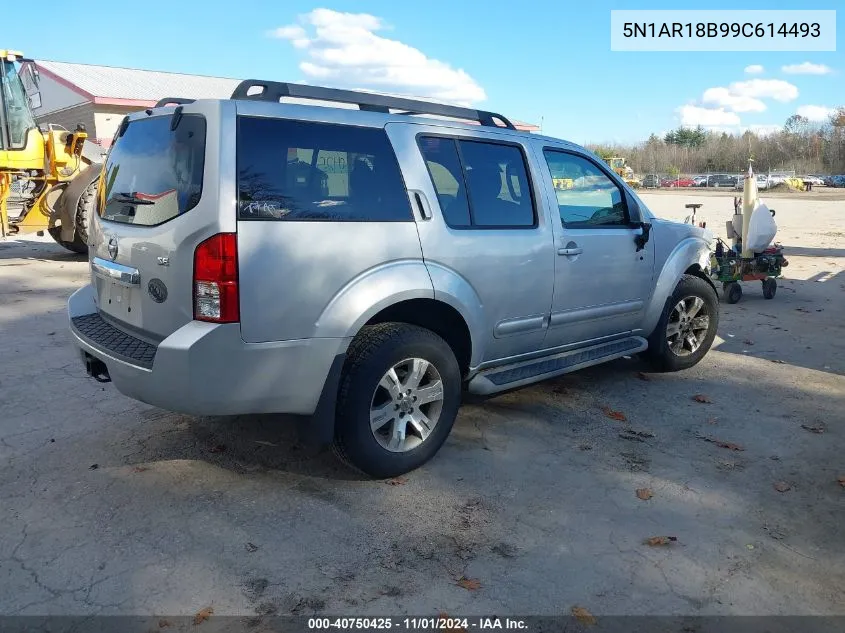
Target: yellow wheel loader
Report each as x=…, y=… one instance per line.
x=48, y=175
x=618, y=164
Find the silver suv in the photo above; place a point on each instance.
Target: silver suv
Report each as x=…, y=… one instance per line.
x=366, y=263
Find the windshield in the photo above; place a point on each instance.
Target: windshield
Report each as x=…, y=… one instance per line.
x=17, y=118
x=153, y=173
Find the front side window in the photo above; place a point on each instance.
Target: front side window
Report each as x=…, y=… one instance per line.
x=297, y=170
x=19, y=119
x=586, y=196
x=479, y=184
x=154, y=173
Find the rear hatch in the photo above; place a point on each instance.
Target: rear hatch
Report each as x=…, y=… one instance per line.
x=158, y=199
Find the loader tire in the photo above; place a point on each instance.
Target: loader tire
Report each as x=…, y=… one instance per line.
x=84, y=210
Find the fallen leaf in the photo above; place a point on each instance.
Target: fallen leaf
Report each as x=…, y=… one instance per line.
x=140, y=469
x=750, y=546
x=397, y=481
x=93, y=467
x=660, y=540
x=644, y=493
x=162, y=624
x=583, y=616
x=614, y=415
x=251, y=547
x=721, y=444
x=748, y=342
x=814, y=428
x=701, y=398
x=219, y=448
x=643, y=376
x=470, y=584
x=203, y=615
x=841, y=481
x=782, y=486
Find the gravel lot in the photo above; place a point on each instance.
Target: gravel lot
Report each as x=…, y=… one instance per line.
x=108, y=506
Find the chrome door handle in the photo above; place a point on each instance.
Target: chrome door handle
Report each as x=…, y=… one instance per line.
x=570, y=251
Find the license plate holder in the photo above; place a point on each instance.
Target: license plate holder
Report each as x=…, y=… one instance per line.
x=118, y=297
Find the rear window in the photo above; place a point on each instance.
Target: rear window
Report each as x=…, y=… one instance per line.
x=154, y=174
x=296, y=170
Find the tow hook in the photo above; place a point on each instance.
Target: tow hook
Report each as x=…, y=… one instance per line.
x=96, y=369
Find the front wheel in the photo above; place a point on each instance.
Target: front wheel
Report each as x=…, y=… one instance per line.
x=687, y=327
x=398, y=399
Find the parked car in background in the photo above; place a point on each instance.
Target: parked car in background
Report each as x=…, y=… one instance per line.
x=838, y=181
x=651, y=181
x=812, y=179
x=828, y=181
x=722, y=180
x=677, y=182
x=700, y=181
x=762, y=182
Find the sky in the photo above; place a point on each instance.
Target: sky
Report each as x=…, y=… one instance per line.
x=542, y=61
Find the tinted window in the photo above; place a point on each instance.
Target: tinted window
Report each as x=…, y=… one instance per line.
x=153, y=173
x=586, y=196
x=441, y=157
x=296, y=170
x=497, y=181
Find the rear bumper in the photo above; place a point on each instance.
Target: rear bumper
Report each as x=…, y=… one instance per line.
x=207, y=369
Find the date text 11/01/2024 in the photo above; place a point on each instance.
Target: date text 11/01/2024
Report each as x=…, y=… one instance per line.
x=422, y=623
x=720, y=29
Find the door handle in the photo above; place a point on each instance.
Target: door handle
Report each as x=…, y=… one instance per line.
x=570, y=251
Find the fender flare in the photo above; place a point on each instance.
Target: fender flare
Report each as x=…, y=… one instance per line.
x=454, y=290
x=389, y=284
x=692, y=251
x=65, y=207
x=369, y=293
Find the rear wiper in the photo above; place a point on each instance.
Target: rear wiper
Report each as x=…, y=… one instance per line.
x=131, y=198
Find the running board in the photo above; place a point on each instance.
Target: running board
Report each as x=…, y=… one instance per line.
x=524, y=373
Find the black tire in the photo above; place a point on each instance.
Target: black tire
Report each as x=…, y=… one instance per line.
x=84, y=209
x=76, y=246
x=770, y=288
x=659, y=354
x=733, y=292
x=371, y=354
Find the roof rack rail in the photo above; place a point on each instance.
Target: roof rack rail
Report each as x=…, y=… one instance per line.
x=274, y=91
x=172, y=101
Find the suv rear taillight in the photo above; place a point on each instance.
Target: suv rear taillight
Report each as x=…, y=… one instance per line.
x=216, y=279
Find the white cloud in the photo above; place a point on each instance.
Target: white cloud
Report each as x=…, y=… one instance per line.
x=344, y=49
x=815, y=112
x=807, y=68
x=776, y=89
x=746, y=96
x=724, y=98
x=754, y=69
x=692, y=115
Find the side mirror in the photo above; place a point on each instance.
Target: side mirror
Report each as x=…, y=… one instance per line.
x=642, y=239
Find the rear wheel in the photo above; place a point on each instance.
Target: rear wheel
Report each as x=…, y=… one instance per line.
x=733, y=292
x=687, y=327
x=770, y=287
x=399, y=396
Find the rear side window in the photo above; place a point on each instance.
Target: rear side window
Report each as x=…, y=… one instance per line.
x=154, y=174
x=479, y=184
x=297, y=170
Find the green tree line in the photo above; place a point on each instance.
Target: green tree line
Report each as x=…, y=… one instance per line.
x=800, y=145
